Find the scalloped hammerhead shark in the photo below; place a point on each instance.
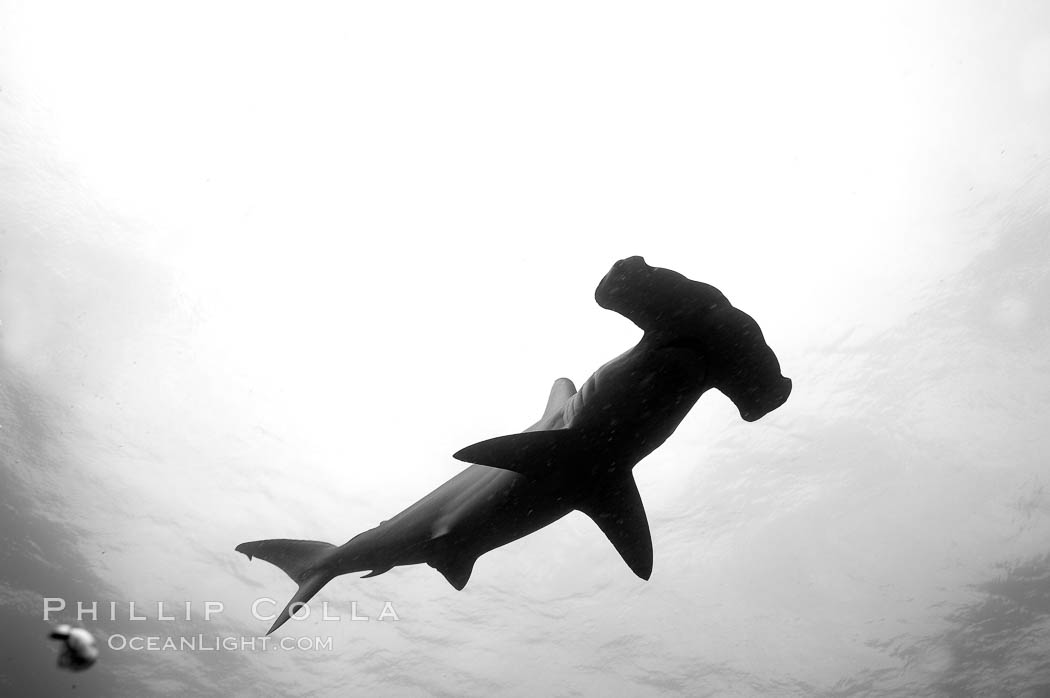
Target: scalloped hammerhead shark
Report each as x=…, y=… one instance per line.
x=581, y=453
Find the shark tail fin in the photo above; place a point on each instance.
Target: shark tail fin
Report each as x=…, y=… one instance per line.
x=302, y=560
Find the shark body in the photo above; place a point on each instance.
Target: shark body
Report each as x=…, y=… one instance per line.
x=580, y=454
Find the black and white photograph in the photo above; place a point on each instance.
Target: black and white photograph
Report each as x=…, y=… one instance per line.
x=464, y=348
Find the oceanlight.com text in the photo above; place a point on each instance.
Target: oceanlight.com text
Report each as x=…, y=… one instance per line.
x=216, y=643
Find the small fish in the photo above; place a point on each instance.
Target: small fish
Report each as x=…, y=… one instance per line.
x=79, y=651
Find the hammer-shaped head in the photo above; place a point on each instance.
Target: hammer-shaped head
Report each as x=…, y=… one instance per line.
x=692, y=313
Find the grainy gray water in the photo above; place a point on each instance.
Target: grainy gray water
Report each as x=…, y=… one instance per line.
x=187, y=363
x=885, y=533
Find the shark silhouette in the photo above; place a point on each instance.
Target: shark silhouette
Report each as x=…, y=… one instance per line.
x=580, y=454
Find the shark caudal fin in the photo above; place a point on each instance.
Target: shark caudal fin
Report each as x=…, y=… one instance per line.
x=302, y=560
x=616, y=506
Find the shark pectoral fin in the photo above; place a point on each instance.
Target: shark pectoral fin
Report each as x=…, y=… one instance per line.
x=530, y=453
x=617, y=508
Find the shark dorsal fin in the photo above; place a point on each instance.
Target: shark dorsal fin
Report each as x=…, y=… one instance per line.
x=530, y=453
x=561, y=391
x=616, y=506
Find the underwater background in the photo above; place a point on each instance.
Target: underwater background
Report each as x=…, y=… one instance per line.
x=263, y=269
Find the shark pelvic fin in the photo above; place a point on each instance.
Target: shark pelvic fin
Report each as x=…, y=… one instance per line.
x=531, y=453
x=616, y=506
x=456, y=569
